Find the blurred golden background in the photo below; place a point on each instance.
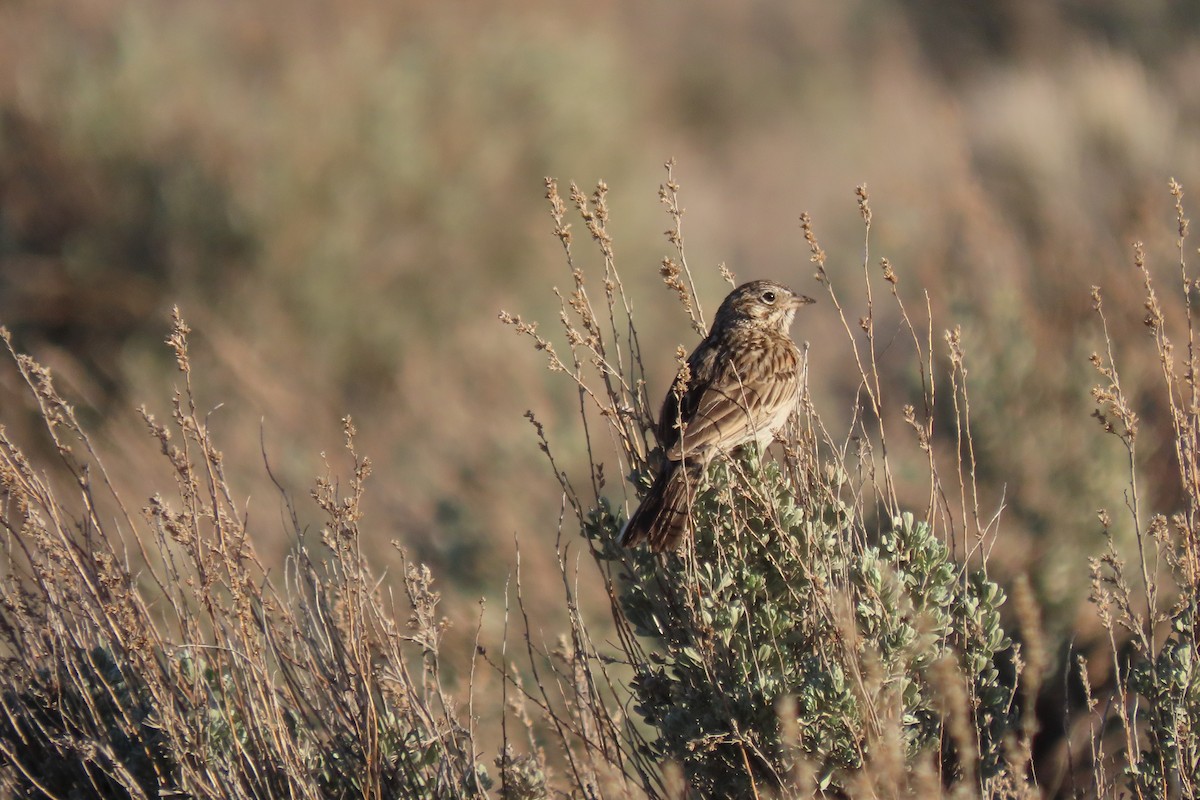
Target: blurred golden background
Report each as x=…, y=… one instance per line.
x=342, y=196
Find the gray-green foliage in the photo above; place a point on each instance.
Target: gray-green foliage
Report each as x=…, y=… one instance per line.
x=786, y=607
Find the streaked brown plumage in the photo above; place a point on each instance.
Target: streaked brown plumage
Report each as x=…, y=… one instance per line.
x=744, y=382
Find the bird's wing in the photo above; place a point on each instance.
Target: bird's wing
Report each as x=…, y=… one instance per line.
x=747, y=395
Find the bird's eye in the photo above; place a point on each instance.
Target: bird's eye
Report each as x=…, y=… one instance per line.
x=768, y=297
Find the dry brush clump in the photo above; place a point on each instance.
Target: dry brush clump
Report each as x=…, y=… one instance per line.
x=150, y=654
x=1147, y=738
x=817, y=635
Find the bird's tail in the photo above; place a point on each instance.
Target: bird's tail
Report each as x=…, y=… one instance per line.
x=663, y=518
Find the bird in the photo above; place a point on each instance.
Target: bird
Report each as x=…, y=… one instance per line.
x=739, y=385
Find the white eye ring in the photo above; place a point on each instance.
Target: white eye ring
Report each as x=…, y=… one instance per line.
x=768, y=297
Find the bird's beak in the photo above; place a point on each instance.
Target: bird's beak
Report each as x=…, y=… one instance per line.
x=801, y=300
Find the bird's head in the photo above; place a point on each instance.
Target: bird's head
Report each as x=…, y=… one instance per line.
x=765, y=304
